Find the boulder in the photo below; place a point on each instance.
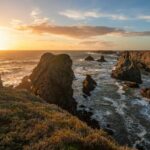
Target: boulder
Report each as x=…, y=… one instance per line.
x=52, y=80
x=89, y=58
x=88, y=85
x=145, y=92
x=102, y=59
x=127, y=70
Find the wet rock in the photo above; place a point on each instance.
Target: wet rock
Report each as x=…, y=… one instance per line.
x=88, y=85
x=52, y=80
x=131, y=84
x=102, y=59
x=89, y=58
x=127, y=70
x=145, y=92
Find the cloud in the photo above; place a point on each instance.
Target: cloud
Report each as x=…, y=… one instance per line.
x=35, y=13
x=79, y=15
x=144, y=17
x=78, y=31
x=36, y=16
x=71, y=31
x=144, y=33
x=98, y=44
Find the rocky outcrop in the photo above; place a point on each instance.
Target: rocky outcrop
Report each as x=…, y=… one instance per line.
x=88, y=85
x=89, y=58
x=142, y=58
x=52, y=80
x=126, y=69
x=102, y=59
x=145, y=92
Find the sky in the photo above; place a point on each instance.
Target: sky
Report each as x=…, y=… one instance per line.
x=75, y=24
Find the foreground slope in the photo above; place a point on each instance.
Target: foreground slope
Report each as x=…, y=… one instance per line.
x=27, y=122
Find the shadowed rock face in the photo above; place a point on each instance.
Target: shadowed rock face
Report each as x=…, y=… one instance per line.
x=126, y=69
x=52, y=80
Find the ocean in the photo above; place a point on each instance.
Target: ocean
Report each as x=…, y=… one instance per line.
x=126, y=112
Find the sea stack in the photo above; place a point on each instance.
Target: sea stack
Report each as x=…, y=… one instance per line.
x=102, y=59
x=52, y=80
x=89, y=58
x=88, y=85
x=127, y=70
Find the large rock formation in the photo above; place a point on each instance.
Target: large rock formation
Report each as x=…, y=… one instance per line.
x=52, y=80
x=126, y=69
x=88, y=85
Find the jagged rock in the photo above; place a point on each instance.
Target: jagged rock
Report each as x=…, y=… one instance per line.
x=52, y=80
x=145, y=92
x=127, y=70
x=88, y=85
x=89, y=58
x=102, y=59
x=131, y=84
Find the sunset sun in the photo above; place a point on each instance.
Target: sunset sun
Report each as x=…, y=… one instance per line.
x=4, y=40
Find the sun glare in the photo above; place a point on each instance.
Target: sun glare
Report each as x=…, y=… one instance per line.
x=4, y=40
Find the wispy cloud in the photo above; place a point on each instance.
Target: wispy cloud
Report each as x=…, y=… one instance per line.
x=82, y=15
x=144, y=17
x=71, y=31
x=36, y=15
x=98, y=44
x=78, y=31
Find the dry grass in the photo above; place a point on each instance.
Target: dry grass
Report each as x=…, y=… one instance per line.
x=28, y=123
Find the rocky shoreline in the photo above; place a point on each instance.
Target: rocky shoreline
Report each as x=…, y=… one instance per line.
x=52, y=80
